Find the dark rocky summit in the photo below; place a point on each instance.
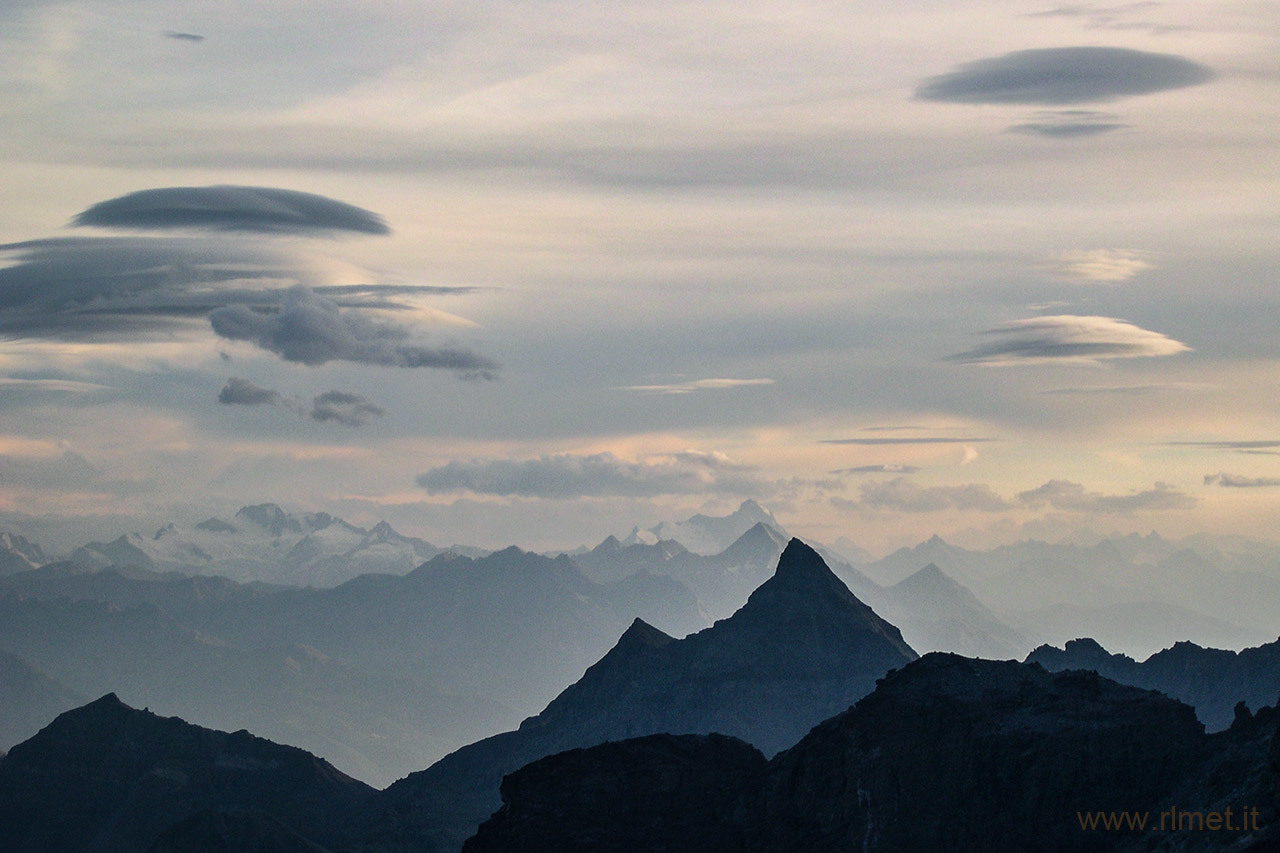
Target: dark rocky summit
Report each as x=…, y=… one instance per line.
x=1210, y=680
x=948, y=754
x=660, y=792
x=107, y=777
x=801, y=649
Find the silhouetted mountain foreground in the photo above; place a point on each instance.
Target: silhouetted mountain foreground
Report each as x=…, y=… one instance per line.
x=949, y=753
x=107, y=777
x=801, y=649
x=1210, y=680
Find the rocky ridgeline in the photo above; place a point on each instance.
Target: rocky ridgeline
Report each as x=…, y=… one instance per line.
x=949, y=753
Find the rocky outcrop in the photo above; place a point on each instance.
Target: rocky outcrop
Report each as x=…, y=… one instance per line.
x=1210, y=680
x=948, y=754
x=661, y=792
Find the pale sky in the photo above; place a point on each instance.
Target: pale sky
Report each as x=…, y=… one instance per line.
x=535, y=272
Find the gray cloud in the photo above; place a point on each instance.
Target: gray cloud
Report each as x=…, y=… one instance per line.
x=313, y=330
x=1069, y=338
x=878, y=469
x=1237, y=481
x=872, y=442
x=1120, y=390
x=107, y=289
x=242, y=392
x=340, y=407
x=179, y=36
x=344, y=408
x=1067, y=128
x=232, y=208
x=594, y=475
x=1242, y=446
x=905, y=496
x=1069, y=496
x=1063, y=75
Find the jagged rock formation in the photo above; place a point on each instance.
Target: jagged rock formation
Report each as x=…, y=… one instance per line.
x=1210, y=680
x=107, y=777
x=18, y=554
x=801, y=649
x=948, y=754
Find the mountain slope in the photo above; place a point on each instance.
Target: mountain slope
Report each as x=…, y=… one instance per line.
x=108, y=777
x=948, y=753
x=29, y=699
x=1210, y=680
x=802, y=648
x=936, y=613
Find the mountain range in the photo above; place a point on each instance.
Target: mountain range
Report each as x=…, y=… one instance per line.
x=736, y=737
x=1212, y=681
x=947, y=754
x=802, y=648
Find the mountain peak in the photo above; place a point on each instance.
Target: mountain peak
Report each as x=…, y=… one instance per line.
x=270, y=517
x=760, y=542
x=643, y=634
x=930, y=577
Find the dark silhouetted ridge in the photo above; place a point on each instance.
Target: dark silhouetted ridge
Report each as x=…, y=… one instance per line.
x=802, y=648
x=108, y=777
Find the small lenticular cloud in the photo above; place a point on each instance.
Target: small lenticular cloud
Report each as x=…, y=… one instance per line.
x=1098, y=266
x=696, y=385
x=1068, y=339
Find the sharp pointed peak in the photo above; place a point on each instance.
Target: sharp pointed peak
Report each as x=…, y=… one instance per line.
x=641, y=632
x=930, y=574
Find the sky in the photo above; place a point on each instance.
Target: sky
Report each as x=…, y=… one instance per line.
x=515, y=272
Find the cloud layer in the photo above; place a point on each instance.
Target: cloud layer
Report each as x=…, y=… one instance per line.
x=902, y=495
x=1068, y=338
x=232, y=208
x=313, y=330
x=593, y=475
x=131, y=288
x=1063, y=75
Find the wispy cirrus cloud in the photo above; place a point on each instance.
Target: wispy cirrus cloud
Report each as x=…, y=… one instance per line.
x=1063, y=75
x=1098, y=266
x=878, y=469
x=1265, y=445
x=1068, y=338
x=695, y=385
x=884, y=440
